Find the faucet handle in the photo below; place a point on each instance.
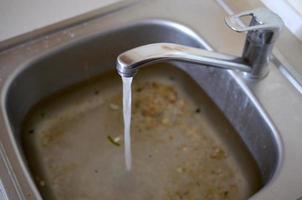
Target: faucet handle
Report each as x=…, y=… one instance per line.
x=262, y=20
x=262, y=33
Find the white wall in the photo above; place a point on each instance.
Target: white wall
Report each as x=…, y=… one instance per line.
x=21, y=16
x=291, y=13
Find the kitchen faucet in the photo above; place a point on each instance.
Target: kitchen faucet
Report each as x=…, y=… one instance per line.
x=262, y=33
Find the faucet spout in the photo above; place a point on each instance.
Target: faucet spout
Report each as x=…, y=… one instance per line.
x=130, y=61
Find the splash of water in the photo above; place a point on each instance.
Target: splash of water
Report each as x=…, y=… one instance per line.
x=127, y=81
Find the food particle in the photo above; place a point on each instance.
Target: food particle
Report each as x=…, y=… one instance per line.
x=165, y=121
x=42, y=183
x=114, y=106
x=117, y=139
x=217, y=153
x=111, y=140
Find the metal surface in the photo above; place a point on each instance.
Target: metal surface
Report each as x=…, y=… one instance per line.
x=287, y=49
x=3, y=194
x=262, y=33
x=130, y=61
x=85, y=145
x=266, y=112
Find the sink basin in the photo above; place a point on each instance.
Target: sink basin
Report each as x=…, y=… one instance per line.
x=263, y=116
x=189, y=145
x=72, y=64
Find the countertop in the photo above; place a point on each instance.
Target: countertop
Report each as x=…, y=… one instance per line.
x=18, y=17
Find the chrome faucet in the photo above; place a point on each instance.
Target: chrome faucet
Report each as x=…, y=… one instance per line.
x=262, y=33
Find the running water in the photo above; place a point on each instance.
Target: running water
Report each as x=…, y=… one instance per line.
x=127, y=119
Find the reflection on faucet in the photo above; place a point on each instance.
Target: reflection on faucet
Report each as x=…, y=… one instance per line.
x=262, y=34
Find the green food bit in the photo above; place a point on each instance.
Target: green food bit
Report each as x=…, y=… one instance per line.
x=112, y=141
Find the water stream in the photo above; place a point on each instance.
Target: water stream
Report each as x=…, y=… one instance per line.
x=127, y=81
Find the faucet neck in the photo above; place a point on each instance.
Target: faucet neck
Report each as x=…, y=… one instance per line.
x=130, y=61
x=257, y=56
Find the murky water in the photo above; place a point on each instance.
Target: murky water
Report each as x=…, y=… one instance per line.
x=127, y=81
x=182, y=145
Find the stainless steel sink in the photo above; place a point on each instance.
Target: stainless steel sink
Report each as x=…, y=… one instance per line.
x=266, y=113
